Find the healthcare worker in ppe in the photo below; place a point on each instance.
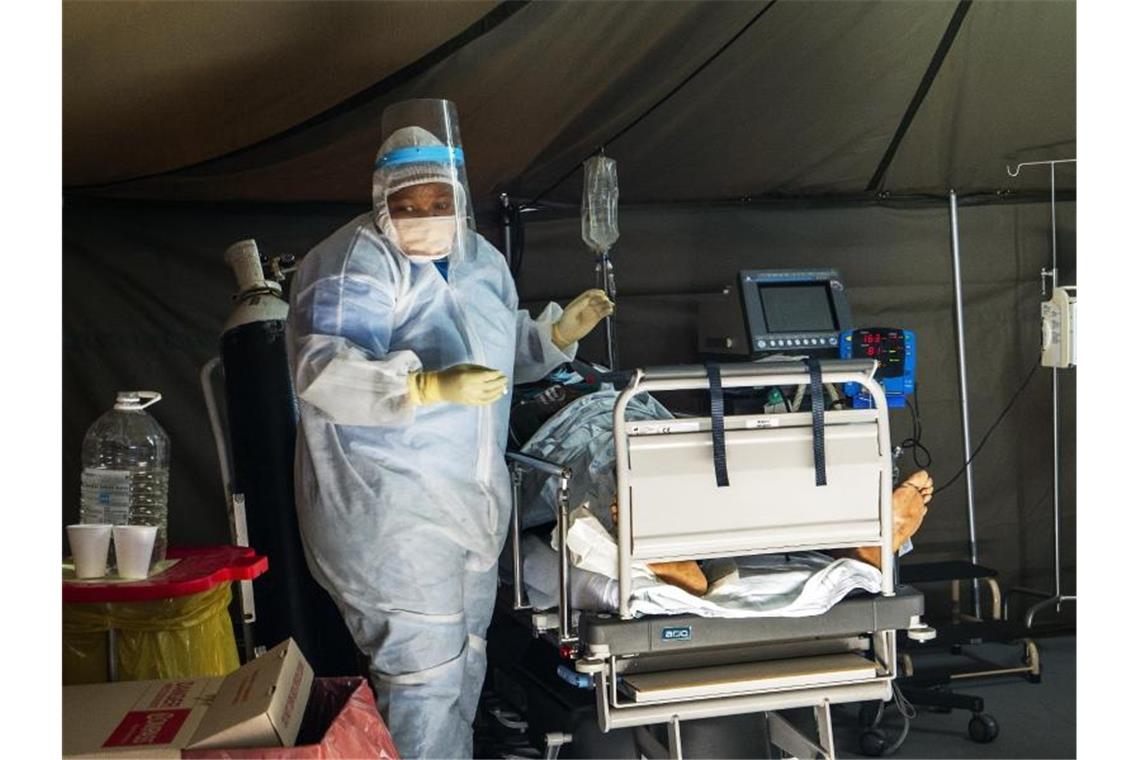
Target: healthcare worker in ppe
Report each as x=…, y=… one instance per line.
x=404, y=338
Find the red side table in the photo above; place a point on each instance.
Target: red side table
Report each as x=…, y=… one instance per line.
x=195, y=571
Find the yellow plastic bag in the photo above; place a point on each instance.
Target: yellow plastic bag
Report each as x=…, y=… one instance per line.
x=184, y=637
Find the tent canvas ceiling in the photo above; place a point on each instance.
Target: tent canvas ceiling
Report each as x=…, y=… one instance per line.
x=151, y=86
x=706, y=100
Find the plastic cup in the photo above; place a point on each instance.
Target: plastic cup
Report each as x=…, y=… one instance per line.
x=133, y=547
x=89, y=545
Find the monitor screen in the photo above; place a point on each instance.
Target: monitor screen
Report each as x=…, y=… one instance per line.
x=797, y=308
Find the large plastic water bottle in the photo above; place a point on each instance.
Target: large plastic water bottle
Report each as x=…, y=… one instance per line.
x=126, y=468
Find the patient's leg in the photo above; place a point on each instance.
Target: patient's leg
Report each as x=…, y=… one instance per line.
x=909, y=506
x=685, y=575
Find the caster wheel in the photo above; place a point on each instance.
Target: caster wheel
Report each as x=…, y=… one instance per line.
x=870, y=714
x=983, y=728
x=872, y=743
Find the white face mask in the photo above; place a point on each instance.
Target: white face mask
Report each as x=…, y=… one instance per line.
x=426, y=237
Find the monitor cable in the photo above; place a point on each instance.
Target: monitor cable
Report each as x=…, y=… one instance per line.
x=986, y=437
x=914, y=443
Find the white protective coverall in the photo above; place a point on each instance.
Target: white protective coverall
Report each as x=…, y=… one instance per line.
x=404, y=509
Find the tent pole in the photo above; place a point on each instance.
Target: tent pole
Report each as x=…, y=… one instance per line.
x=964, y=394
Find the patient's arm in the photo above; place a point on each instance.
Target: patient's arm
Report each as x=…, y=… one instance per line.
x=909, y=503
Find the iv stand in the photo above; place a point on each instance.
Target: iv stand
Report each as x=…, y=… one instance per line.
x=964, y=395
x=1055, y=598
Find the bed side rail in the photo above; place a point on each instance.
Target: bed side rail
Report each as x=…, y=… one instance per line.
x=695, y=377
x=519, y=464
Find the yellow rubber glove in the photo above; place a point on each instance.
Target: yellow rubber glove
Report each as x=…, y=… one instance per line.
x=467, y=384
x=580, y=316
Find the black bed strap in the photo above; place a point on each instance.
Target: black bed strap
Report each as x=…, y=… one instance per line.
x=716, y=413
x=817, y=421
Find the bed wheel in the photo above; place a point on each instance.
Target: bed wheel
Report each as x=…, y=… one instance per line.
x=872, y=743
x=870, y=714
x=983, y=728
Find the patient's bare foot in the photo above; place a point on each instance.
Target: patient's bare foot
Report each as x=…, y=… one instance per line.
x=909, y=502
x=909, y=507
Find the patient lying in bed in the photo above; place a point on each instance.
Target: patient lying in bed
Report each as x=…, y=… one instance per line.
x=580, y=435
x=909, y=502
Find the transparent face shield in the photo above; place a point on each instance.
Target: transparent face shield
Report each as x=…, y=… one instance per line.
x=419, y=183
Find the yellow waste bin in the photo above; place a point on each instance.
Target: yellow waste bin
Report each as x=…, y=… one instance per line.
x=161, y=628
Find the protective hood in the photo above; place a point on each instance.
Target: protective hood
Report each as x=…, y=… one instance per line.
x=421, y=145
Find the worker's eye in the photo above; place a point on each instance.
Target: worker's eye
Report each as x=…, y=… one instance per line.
x=442, y=206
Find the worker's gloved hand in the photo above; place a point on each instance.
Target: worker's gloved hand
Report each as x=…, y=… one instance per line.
x=580, y=316
x=467, y=384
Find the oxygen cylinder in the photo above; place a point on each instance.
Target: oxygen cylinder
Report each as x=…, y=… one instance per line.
x=262, y=412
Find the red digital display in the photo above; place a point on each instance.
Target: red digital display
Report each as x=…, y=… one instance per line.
x=889, y=347
x=872, y=344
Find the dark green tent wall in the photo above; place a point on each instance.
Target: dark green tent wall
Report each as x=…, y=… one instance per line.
x=747, y=135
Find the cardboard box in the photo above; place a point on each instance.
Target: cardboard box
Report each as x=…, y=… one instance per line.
x=259, y=705
x=341, y=723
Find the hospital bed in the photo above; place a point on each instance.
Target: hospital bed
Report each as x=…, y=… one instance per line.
x=668, y=669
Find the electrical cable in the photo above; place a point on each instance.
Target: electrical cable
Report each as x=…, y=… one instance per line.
x=907, y=713
x=905, y=707
x=986, y=437
x=914, y=443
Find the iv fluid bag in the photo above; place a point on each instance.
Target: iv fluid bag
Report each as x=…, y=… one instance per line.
x=599, y=203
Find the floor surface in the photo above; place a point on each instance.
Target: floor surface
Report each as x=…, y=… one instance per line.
x=1035, y=720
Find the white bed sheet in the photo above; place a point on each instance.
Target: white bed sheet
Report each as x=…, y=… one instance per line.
x=799, y=584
